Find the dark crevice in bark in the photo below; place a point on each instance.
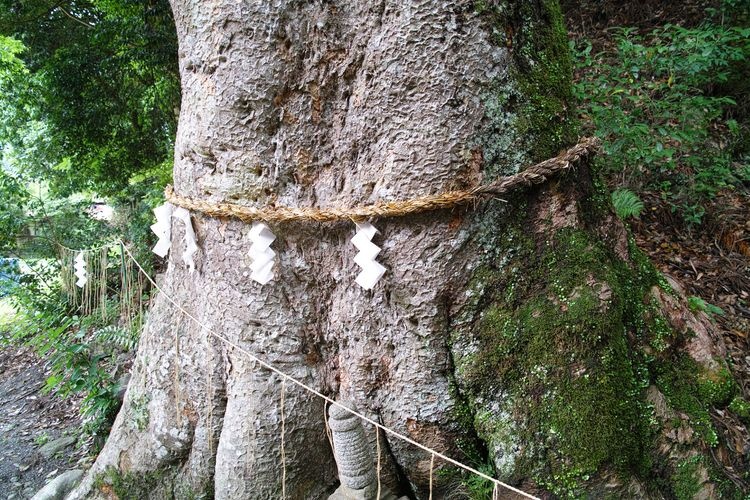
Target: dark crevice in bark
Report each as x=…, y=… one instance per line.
x=404, y=485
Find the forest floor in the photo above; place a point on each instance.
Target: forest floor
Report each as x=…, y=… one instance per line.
x=38, y=432
x=712, y=260
x=712, y=263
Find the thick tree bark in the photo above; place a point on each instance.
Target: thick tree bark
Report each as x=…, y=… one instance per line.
x=338, y=103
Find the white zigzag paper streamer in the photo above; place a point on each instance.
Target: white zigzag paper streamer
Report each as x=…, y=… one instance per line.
x=163, y=229
x=80, y=270
x=372, y=271
x=261, y=253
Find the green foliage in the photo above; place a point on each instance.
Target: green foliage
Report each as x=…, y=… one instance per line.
x=105, y=91
x=41, y=439
x=116, y=336
x=478, y=487
x=13, y=199
x=627, y=203
x=89, y=93
x=81, y=350
x=12, y=71
x=698, y=304
x=663, y=104
x=83, y=359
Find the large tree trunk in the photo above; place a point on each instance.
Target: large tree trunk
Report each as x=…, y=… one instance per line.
x=347, y=103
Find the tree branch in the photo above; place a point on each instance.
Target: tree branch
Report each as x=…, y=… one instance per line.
x=81, y=21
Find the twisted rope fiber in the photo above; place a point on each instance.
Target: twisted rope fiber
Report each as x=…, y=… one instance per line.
x=535, y=174
x=319, y=394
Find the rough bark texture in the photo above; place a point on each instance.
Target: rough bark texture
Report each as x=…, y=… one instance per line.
x=310, y=103
x=345, y=103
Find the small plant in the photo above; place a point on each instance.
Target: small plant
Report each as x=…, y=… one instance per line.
x=479, y=487
x=627, y=204
x=741, y=408
x=115, y=336
x=41, y=439
x=697, y=304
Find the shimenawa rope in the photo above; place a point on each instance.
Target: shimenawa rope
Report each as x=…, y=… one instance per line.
x=535, y=174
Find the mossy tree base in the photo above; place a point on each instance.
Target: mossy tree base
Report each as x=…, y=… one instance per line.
x=566, y=351
x=582, y=370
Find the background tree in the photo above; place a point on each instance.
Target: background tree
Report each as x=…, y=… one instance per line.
x=104, y=92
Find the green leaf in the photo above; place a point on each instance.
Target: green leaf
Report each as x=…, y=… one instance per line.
x=626, y=203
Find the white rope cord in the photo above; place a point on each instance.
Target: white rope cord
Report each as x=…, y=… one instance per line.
x=322, y=396
x=432, y=468
x=377, y=467
x=328, y=433
x=283, y=450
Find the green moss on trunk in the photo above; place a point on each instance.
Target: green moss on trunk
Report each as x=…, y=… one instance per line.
x=160, y=484
x=544, y=72
x=552, y=340
x=530, y=110
x=564, y=336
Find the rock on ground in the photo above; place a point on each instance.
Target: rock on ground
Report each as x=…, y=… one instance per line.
x=51, y=448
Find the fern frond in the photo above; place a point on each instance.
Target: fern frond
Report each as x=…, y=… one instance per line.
x=117, y=337
x=626, y=203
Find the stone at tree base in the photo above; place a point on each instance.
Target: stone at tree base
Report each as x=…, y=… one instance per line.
x=356, y=467
x=60, y=486
x=353, y=457
x=51, y=448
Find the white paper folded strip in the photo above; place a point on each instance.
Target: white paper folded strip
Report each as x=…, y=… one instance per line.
x=80, y=270
x=262, y=255
x=163, y=230
x=372, y=270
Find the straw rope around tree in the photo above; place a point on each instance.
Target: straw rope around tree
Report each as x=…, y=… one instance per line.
x=535, y=174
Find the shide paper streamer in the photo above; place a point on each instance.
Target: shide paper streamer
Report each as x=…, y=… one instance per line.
x=372, y=271
x=191, y=246
x=80, y=270
x=163, y=230
x=261, y=253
